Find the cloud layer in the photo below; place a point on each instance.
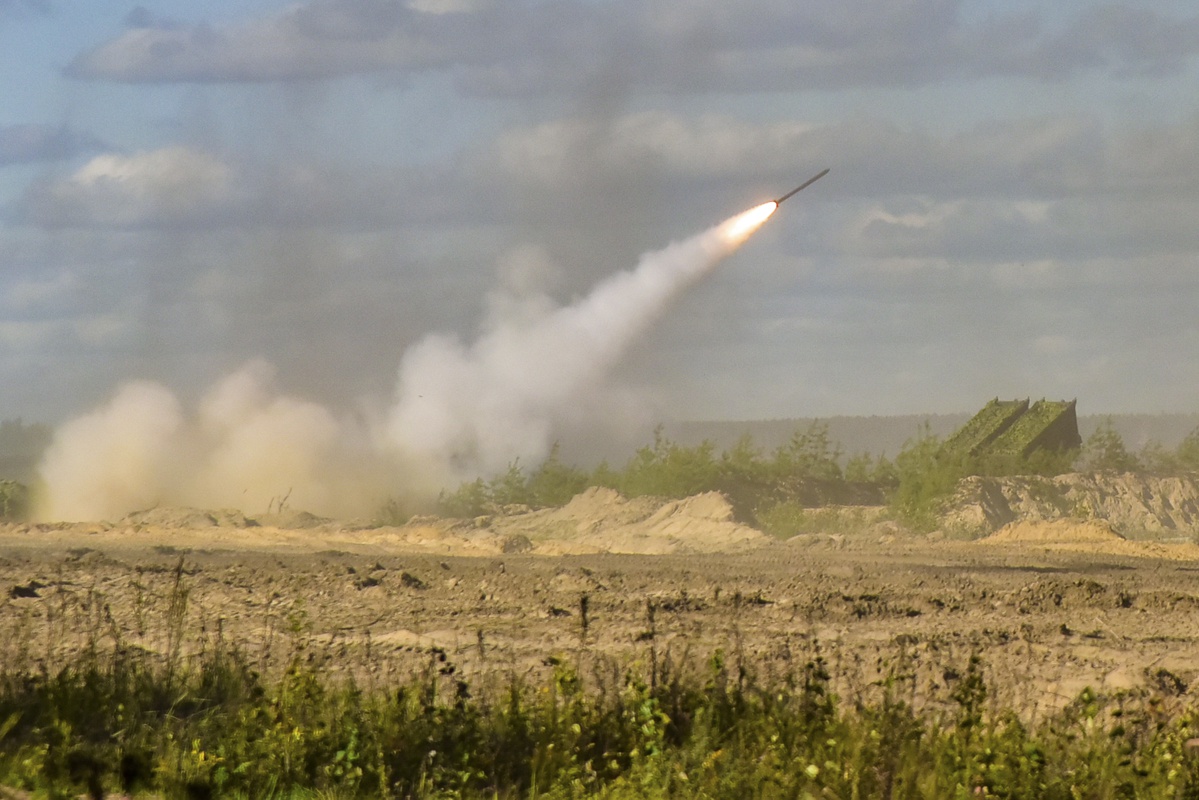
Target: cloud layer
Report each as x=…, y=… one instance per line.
x=325, y=184
x=503, y=49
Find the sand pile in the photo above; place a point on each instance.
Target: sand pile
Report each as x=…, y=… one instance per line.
x=1138, y=506
x=1087, y=536
x=600, y=520
x=595, y=521
x=1056, y=532
x=182, y=517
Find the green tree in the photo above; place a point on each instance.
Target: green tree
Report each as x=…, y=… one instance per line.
x=859, y=468
x=555, y=483
x=469, y=500
x=668, y=469
x=884, y=471
x=809, y=454
x=1187, y=453
x=509, y=487
x=1104, y=451
x=604, y=475
x=744, y=461
x=1156, y=459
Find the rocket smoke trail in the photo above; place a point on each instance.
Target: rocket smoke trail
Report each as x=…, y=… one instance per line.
x=476, y=408
x=459, y=411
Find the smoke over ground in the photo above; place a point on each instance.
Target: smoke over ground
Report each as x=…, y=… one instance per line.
x=460, y=410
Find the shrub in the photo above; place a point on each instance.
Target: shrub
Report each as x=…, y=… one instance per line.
x=468, y=500
x=668, y=469
x=809, y=454
x=1104, y=451
x=926, y=476
x=14, y=501
x=393, y=511
x=554, y=483
x=784, y=519
x=1187, y=453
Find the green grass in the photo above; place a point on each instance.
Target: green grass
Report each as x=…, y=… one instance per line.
x=214, y=727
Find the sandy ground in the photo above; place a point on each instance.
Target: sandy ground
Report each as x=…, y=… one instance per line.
x=1051, y=609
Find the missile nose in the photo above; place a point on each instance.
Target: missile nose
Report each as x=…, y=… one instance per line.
x=803, y=185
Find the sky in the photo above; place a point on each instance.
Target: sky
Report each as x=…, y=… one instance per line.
x=1011, y=208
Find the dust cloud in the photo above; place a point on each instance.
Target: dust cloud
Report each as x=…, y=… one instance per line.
x=460, y=410
x=244, y=446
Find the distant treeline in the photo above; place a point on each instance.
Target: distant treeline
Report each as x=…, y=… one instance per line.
x=804, y=472
x=888, y=434
x=778, y=490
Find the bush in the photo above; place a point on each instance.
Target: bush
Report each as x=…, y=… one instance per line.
x=770, y=492
x=668, y=469
x=554, y=483
x=393, y=511
x=809, y=454
x=783, y=520
x=926, y=476
x=1188, y=452
x=469, y=500
x=551, y=484
x=14, y=501
x=1104, y=451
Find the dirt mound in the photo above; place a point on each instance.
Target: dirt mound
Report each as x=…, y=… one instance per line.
x=174, y=518
x=602, y=521
x=1087, y=537
x=605, y=506
x=596, y=521
x=293, y=520
x=1136, y=506
x=1058, y=532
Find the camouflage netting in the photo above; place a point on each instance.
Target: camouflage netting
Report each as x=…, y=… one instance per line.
x=1011, y=428
x=985, y=427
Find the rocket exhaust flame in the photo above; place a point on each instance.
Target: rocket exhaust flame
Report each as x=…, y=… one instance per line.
x=460, y=410
x=744, y=225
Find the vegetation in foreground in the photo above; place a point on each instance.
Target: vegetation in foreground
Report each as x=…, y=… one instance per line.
x=211, y=726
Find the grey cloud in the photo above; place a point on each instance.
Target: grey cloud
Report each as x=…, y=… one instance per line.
x=308, y=42
x=660, y=45
x=907, y=209
x=184, y=188
x=1126, y=40
x=1043, y=157
x=160, y=187
x=24, y=144
x=611, y=175
x=981, y=232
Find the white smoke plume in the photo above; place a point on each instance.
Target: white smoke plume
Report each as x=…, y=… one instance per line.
x=460, y=410
x=473, y=409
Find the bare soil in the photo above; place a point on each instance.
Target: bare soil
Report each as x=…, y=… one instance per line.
x=1051, y=608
